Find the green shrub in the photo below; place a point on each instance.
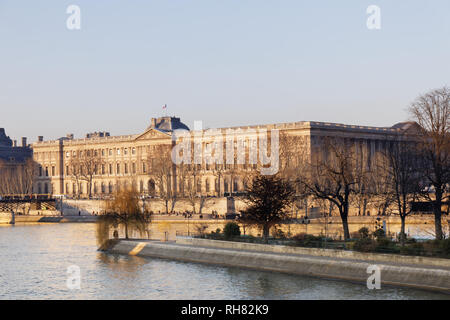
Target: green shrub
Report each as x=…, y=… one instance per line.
x=445, y=246
x=307, y=240
x=414, y=249
x=386, y=245
x=363, y=233
x=299, y=237
x=379, y=233
x=364, y=245
x=279, y=234
x=231, y=230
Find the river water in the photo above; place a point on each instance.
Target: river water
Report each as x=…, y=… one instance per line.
x=34, y=261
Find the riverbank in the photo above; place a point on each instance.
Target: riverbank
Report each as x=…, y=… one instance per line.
x=162, y=226
x=24, y=219
x=416, y=272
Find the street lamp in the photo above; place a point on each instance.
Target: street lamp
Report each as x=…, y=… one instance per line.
x=188, y=217
x=306, y=221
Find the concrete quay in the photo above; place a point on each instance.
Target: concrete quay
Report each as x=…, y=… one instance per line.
x=395, y=271
x=7, y=219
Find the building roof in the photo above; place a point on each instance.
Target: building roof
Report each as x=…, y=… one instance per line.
x=168, y=124
x=5, y=141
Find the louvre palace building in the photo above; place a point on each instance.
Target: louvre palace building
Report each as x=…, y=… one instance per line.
x=99, y=164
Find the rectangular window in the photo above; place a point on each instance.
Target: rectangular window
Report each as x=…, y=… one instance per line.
x=144, y=168
x=126, y=168
x=133, y=168
x=118, y=168
x=103, y=169
x=133, y=151
x=53, y=171
x=110, y=169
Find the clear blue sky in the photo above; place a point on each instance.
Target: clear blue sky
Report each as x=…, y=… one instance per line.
x=226, y=62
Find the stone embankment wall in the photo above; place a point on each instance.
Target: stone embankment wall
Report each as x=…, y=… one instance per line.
x=420, y=275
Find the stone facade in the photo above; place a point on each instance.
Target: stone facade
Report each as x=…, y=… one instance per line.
x=10, y=152
x=127, y=160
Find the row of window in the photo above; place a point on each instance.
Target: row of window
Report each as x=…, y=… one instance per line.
x=127, y=168
x=72, y=188
x=103, y=152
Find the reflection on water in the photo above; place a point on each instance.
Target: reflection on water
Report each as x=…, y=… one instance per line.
x=34, y=261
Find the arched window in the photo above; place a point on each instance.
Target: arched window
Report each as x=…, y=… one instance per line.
x=110, y=187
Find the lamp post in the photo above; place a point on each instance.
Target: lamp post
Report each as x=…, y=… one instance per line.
x=188, y=217
x=306, y=221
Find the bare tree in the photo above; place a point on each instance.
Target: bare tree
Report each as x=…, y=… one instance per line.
x=162, y=170
x=190, y=175
x=335, y=175
x=17, y=178
x=432, y=113
x=84, y=165
x=399, y=169
x=219, y=173
x=292, y=153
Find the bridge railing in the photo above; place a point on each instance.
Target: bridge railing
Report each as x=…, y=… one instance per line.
x=25, y=197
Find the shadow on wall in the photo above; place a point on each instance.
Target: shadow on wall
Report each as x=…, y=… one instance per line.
x=82, y=207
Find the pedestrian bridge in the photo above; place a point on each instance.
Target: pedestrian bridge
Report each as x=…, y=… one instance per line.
x=14, y=202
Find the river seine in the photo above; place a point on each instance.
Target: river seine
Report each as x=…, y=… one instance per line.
x=34, y=262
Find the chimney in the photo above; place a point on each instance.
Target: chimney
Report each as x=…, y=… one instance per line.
x=15, y=143
x=40, y=138
x=24, y=142
x=153, y=124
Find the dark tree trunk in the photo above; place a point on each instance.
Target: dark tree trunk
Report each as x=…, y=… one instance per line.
x=438, y=215
x=344, y=218
x=402, y=230
x=266, y=229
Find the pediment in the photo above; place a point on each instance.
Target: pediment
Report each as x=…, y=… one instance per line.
x=152, y=133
